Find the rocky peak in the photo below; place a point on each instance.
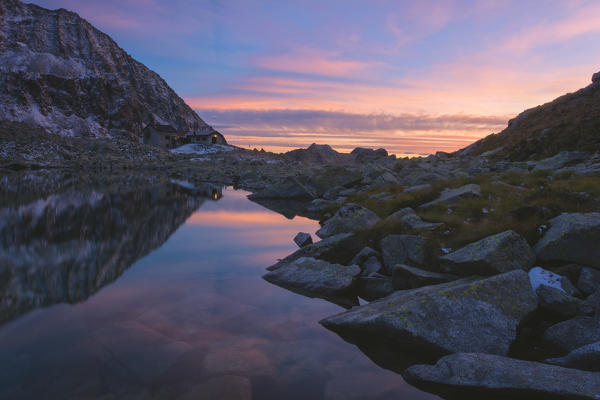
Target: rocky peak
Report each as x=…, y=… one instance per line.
x=59, y=72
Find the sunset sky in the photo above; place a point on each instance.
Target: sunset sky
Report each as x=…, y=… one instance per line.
x=410, y=76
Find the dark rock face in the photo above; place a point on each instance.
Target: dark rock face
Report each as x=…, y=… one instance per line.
x=407, y=249
x=465, y=315
x=303, y=239
x=317, y=278
x=374, y=286
x=59, y=72
x=572, y=238
x=494, y=377
x=568, y=335
x=93, y=238
x=363, y=155
x=557, y=301
x=494, y=254
x=586, y=358
x=589, y=280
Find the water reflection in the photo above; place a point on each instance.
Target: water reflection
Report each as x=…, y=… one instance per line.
x=191, y=320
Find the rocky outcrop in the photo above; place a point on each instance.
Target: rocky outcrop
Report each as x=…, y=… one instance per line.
x=488, y=376
x=349, y=218
x=450, y=196
x=363, y=155
x=317, y=278
x=465, y=315
x=572, y=238
x=59, y=72
x=317, y=153
x=494, y=254
x=586, y=358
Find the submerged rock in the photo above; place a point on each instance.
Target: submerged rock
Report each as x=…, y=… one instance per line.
x=407, y=249
x=494, y=377
x=455, y=195
x=407, y=277
x=494, y=254
x=349, y=218
x=303, y=239
x=586, y=358
x=567, y=336
x=573, y=238
x=465, y=315
x=317, y=278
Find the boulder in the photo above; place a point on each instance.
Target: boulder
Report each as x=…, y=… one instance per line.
x=400, y=213
x=407, y=249
x=449, y=196
x=317, y=278
x=319, y=205
x=560, y=160
x=486, y=376
x=469, y=314
x=559, y=302
x=374, y=286
x=568, y=335
x=572, y=238
x=586, y=358
x=589, y=280
x=412, y=222
x=348, y=218
x=316, y=153
x=494, y=254
x=303, y=239
x=338, y=249
x=407, y=277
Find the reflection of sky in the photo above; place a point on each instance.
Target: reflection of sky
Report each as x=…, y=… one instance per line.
x=195, y=319
x=408, y=75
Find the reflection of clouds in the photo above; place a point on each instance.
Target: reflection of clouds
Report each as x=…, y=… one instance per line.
x=190, y=315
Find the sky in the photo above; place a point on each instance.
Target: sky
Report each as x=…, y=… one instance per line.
x=414, y=77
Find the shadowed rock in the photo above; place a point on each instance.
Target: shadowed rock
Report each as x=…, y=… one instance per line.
x=573, y=238
x=408, y=249
x=485, y=376
x=407, y=277
x=568, y=335
x=450, y=196
x=586, y=358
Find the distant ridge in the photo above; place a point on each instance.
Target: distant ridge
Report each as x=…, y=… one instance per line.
x=59, y=72
x=570, y=122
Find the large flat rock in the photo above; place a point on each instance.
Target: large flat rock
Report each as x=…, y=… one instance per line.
x=462, y=375
x=467, y=315
x=494, y=254
x=317, y=278
x=450, y=196
x=572, y=238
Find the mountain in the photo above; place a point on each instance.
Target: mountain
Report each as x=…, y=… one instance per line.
x=59, y=72
x=570, y=122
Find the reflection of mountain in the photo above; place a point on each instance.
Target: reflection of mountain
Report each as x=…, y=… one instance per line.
x=66, y=247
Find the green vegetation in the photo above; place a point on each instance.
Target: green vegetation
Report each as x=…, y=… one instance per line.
x=521, y=202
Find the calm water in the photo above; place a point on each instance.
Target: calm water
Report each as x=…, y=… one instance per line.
x=158, y=294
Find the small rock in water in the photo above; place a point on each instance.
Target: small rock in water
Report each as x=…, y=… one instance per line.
x=303, y=239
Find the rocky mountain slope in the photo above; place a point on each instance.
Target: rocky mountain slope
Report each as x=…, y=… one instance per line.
x=59, y=72
x=570, y=122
